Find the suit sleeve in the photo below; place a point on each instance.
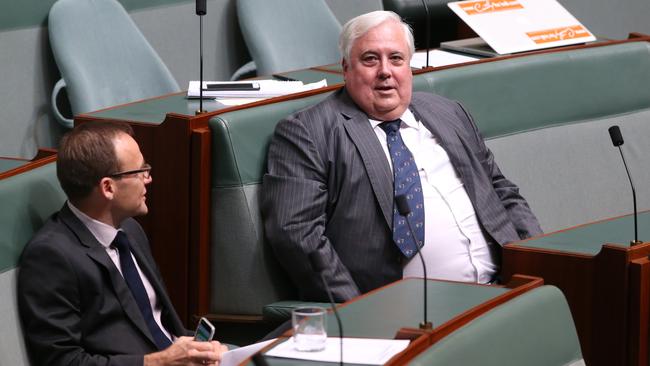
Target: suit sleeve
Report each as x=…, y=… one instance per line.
x=294, y=204
x=515, y=205
x=50, y=310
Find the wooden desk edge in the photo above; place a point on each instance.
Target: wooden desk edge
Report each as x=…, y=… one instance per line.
x=518, y=285
x=43, y=156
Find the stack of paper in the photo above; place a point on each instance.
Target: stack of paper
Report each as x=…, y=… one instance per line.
x=251, y=89
x=355, y=350
x=438, y=58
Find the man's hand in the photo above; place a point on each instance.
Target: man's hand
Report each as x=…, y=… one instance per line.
x=187, y=351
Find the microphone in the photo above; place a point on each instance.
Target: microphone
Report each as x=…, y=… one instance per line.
x=403, y=208
x=201, y=10
x=201, y=7
x=428, y=30
x=617, y=140
x=319, y=265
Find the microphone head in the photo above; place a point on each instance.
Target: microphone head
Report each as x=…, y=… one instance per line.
x=402, y=205
x=317, y=261
x=615, y=134
x=201, y=7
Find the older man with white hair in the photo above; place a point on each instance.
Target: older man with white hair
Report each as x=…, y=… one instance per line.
x=336, y=168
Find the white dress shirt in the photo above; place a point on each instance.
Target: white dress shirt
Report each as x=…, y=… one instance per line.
x=105, y=234
x=454, y=245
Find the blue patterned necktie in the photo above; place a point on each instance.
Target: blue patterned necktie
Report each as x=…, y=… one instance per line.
x=133, y=280
x=406, y=182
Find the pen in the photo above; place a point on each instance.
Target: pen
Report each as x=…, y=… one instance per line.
x=283, y=78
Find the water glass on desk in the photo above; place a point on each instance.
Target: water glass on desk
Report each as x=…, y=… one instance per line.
x=309, y=328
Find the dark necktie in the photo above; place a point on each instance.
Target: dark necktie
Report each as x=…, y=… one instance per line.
x=406, y=182
x=133, y=280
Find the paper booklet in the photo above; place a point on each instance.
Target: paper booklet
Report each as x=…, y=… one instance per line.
x=250, y=88
x=510, y=26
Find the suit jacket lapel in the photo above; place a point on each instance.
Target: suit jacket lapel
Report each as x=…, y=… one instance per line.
x=373, y=156
x=97, y=253
x=441, y=125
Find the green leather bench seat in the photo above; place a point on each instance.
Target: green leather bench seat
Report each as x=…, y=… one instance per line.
x=545, y=118
x=28, y=199
x=533, y=329
x=245, y=274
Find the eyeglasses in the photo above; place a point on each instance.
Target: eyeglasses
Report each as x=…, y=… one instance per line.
x=144, y=172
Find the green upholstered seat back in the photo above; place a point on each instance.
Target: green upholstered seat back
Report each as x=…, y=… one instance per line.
x=103, y=57
x=245, y=274
x=535, y=328
x=284, y=35
x=546, y=117
x=538, y=91
x=28, y=199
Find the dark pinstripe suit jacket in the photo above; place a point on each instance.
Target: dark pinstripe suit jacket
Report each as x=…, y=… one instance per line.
x=329, y=188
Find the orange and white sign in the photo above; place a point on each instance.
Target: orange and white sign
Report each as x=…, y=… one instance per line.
x=511, y=26
x=487, y=6
x=559, y=34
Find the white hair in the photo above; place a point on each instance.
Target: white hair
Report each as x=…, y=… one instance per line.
x=359, y=26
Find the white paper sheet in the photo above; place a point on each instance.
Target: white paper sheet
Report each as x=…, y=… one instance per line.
x=355, y=350
x=268, y=89
x=238, y=355
x=237, y=101
x=439, y=58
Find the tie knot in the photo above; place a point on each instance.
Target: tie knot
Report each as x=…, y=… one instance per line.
x=390, y=127
x=121, y=242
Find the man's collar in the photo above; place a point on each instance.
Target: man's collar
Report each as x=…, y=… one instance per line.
x=104, y=233
x=408, y=118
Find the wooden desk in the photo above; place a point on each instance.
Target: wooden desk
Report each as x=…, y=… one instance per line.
x=382, y=313
x=605, y=281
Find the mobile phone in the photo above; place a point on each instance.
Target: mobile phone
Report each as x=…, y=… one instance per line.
x=204, y=331
x=232, y=86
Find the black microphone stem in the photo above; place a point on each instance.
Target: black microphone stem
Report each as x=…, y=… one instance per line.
x=336, y=315
x=636, y=229
x=200, y=65
x=428, y=32
x=424, y=269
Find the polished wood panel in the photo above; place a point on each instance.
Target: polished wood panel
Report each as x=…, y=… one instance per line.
x=608, y=294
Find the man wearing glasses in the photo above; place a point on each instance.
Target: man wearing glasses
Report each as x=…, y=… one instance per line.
x=89, y=291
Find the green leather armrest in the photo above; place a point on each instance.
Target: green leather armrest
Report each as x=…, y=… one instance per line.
x=280, y=311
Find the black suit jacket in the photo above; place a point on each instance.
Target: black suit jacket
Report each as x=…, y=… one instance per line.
x=329, y=189
x=74, y=304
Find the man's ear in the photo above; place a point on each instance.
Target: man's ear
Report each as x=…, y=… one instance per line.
x=107, y=188
x=344, y=65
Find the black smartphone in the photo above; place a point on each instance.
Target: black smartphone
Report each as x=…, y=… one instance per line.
x=204, y=331
x=232, y=86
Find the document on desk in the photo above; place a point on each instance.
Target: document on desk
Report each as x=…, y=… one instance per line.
x=236, y=356
x=364, y=351
x=439, y=58
x=250, y=88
